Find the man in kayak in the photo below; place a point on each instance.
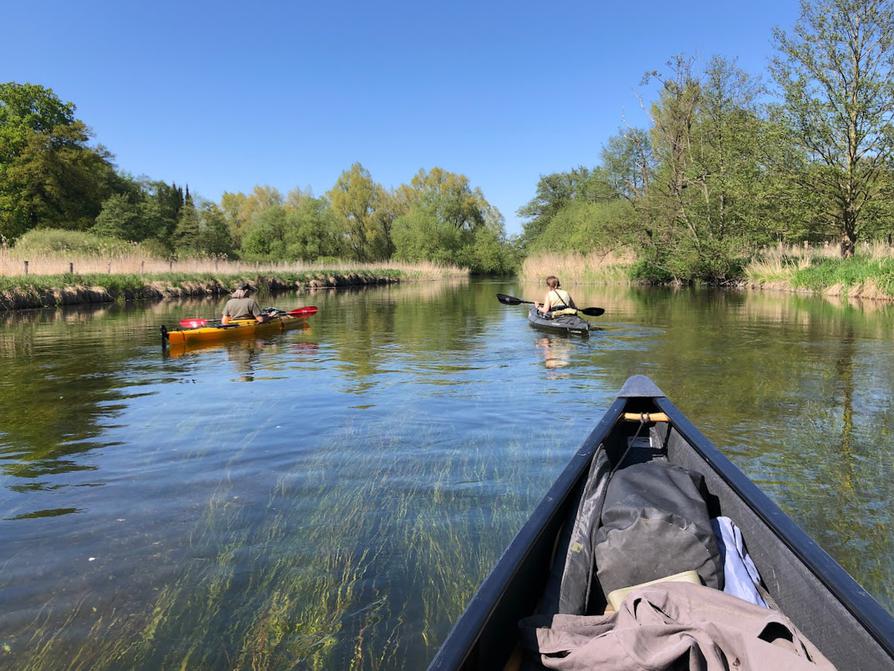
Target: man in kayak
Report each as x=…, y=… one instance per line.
x=243, y=306
x=556, y=298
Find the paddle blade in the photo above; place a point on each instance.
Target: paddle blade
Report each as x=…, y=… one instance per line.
x=593, y=312
x=193, y=323
x=303, y=312
x=510, y=300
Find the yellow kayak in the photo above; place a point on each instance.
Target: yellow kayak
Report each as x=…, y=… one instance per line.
x=239, y=328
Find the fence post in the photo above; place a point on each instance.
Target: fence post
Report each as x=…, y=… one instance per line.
x=26, y=267
x=109, y=268
x=170, y=266
x=71, y=267
x=142, y=266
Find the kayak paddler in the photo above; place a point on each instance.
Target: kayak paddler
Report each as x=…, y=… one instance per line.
x=556, y=297
x=242, y=305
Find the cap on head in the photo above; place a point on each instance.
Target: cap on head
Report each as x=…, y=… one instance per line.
x=244, y=290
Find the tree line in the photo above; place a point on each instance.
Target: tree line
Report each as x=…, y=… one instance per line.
x=52, y=177
x=729, y=164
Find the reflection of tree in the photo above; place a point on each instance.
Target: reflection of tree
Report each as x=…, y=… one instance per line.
x=417, y=324
x=63, y=370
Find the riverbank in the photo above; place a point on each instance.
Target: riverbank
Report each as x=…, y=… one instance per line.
x=869, y=275
x=40, y=291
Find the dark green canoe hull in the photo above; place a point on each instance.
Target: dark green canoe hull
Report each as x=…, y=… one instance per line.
x=847, y=625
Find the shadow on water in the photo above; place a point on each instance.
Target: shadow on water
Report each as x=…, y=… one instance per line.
x=339, y=511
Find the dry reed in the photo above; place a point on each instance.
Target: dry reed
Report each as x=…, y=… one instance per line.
x=597, y=267
x=12, y=263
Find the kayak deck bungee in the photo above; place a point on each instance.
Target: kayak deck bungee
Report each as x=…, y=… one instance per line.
x=568, y=324
x=240, y=328
x=836, y=614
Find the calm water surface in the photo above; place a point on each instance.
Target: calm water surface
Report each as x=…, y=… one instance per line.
x=329, y=498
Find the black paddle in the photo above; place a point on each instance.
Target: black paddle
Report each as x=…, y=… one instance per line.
x=512, y=300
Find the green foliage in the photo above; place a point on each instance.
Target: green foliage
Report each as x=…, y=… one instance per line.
x=557, y=190
x=49, y=176
x=119, y=218
x=365, y=212
x=50, y=241
x=835, y=71
x=848, y=272
x=446, y=221
x=304, y=229
x=585, y=227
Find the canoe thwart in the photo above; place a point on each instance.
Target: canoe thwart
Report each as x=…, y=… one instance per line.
x=646, y=417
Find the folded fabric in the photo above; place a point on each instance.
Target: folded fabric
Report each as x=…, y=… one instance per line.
x=673, y=626
x=740, y=575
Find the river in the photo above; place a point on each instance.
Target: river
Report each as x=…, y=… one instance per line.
x=329, y=498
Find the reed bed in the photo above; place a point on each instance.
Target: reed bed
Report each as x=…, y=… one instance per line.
x=610, y=267
x=868, y=274
x=12, y=264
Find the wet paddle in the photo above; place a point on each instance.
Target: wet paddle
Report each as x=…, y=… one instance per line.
x=512, y=300
x=198, y=322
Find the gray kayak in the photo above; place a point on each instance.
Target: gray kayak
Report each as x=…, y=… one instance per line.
x=567, y=324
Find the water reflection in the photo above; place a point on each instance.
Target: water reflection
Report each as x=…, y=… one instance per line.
x=343, y=507
x=556, y=351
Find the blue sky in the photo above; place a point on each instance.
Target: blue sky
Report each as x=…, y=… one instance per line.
x=227, y=95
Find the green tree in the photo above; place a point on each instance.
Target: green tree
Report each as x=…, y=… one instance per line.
x=119, y=218
x=366, y=212
x=214, y=234
x=188, y=232
x=240, y=209
x=49, y=176
x=836, y=75
x=557, y=190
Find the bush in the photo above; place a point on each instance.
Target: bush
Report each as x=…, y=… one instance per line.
x=55, y=241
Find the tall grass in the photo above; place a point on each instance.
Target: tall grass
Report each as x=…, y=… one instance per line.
x=608, y=268
x=869, y=273
x=12, y=263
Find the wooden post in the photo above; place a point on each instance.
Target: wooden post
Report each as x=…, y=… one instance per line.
x=109, y=268
x=71, y=267
x=170, y=266
x=26, y=267
x=142, y=267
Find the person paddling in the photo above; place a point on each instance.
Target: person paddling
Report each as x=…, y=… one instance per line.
x=243, y=306
x=556, y=298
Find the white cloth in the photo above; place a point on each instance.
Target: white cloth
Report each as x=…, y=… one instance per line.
x=740, y=576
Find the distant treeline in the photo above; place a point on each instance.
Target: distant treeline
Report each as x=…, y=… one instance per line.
x=52, y=178
x=729, y=166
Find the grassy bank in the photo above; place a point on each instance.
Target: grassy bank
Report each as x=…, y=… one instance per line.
x=868, y=275
x=35, y=291
x=70, y=275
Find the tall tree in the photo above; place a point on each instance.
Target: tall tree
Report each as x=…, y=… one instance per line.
x=49, y=175
x=558, y=190
x=366, y=213
x=836, y=73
